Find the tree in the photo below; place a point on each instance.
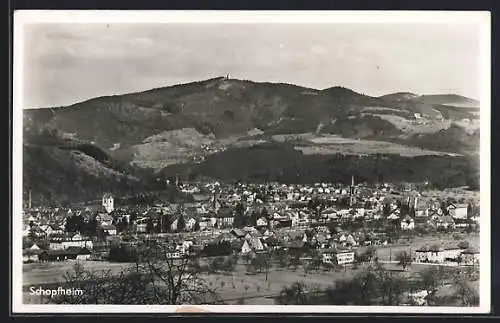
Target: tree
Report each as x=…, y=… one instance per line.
x=149, y=225
x=197, y=226
x=412, y=212
x=129, y=286
x=392, y=287
x=264, y=213
x=282, y=259
x=254, y=216
x=466, y=295
x=431, y=279
x=175, y=282
x=367, y=255
x=181, y=223
x=386, y=209
x=239, y=216
x=294, y=261
x=217, y=264
x=463, y=244
x=296, y=294
x=404, y=259
x=444, y=208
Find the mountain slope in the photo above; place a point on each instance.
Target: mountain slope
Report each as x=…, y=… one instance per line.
x=59, y=171
x=281, y=162
x=123, y=138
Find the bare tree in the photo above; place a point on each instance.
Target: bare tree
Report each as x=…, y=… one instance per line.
x=296, y=294
x=174, y=280
x=432, y=279
x=404, y=259
x=466, y=295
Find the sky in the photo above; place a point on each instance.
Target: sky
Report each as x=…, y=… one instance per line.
x=66, y=63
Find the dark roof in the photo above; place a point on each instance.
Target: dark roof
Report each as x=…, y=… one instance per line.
x=295, y=244
x=77, y=251
x=107, y=195
x=335, y=250
x=471, y=251
x=238, y=233
x=29, y=252
x=272, y=241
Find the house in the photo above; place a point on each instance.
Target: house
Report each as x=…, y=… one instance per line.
x=104, y=219
x=408, y=223
x=141, y=225
x=272, y=243
x=109, y=229
x=31, y=254
x=75, y=253
x=470, y=257
x=190, y=223
x=77, y=241
x=224, y=218
x=238, y=233
x=261, y=222
x=337, y=256
x=52, y=229
x=225, y=237
x=458, y=211
x=393, y=217
x=78, y=253
x=461, y=223
x=437, y=254
x=108, y=202
x=245, y=248
x=445, y=222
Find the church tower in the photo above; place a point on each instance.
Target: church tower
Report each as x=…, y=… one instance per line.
x=352, y=192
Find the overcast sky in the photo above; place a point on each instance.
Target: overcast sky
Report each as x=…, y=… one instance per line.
x=68, y=63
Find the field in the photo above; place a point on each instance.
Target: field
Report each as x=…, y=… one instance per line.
x=333, y=144
x=253, y=287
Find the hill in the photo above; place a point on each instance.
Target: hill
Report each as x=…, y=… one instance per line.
x=447, y=99
x=60, y=171
x=281, y=162
x=210, y=127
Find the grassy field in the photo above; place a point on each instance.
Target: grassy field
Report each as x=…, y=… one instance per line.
x=331, y=144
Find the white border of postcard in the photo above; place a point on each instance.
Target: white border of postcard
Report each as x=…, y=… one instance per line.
x=479, y=18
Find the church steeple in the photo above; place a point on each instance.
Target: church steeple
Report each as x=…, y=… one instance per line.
x=352, y=192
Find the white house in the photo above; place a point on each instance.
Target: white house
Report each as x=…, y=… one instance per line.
x=245, y=248
x=470, y=257
x=108, y=202
x=408, y=223
x=190, y=223
x=77, y=241
x=458, y=211
x=109, y=229
x=445, y=222
x=436, y=254
x=261, y=222
x=337, y=256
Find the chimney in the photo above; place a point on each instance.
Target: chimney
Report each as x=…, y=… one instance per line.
x=29, y=199
x=415, y=205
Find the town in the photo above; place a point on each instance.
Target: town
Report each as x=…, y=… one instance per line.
x=335, y=227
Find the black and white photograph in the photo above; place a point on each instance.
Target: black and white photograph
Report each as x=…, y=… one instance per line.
x=330, y=162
